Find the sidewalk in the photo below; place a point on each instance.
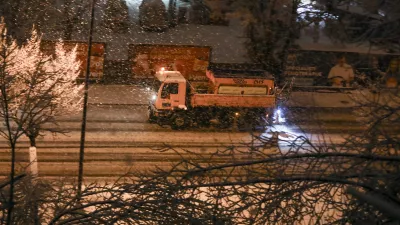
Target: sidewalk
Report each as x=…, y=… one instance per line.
x=139, y=138
x=338, y=100
x=157, y=139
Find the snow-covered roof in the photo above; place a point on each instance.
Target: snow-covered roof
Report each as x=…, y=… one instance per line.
x=227, y=42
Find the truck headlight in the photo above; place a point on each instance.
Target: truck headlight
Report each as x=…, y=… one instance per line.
x=278, y=112
x=279, y=115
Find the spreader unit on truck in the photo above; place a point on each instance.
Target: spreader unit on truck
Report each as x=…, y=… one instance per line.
x=244, y=98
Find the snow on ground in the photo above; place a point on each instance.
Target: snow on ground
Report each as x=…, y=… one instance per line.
x=320, y=99
x=345, y=99
x=327, y=44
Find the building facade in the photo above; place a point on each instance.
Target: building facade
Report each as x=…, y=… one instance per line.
x=209, y=24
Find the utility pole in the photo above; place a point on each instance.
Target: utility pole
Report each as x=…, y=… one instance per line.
x=85, y=101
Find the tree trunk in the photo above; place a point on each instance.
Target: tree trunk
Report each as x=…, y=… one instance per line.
x=11, y=140
x=33, y=170
x=33, y=166
x=291, y=35
x=172, y=13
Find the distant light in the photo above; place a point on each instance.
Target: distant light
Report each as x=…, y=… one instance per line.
x=236, y=114
x=162, y=69
x=153, y=97
x=147, y=89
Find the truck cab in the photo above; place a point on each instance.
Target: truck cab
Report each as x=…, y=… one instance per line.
x=170, y=94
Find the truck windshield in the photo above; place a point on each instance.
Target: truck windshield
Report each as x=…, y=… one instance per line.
x=169, y=88
x=155, y=85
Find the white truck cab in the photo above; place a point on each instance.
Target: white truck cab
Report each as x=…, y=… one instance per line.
x=172, y=92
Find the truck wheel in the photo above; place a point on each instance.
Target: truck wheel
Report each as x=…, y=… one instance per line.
x=179, y=122
x=151, y=118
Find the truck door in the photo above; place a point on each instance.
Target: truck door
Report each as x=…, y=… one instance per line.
x=170, y=96
x=174, y=94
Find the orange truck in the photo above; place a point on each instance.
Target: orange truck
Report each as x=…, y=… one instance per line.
x=246, y=98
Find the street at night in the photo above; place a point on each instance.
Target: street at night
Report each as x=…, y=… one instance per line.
x=199, y=112
x=120, y=140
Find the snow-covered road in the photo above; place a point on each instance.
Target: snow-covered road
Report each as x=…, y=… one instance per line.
x=118, y=137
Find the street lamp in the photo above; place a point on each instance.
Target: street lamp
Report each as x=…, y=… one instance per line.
x=85, y=102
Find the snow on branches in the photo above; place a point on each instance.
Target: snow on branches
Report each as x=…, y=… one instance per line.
x=38, y=86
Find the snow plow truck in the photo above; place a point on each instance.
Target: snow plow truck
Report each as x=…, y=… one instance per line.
x=232, y=97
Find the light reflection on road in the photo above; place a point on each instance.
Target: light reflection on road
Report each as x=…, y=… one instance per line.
x=286, y=135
